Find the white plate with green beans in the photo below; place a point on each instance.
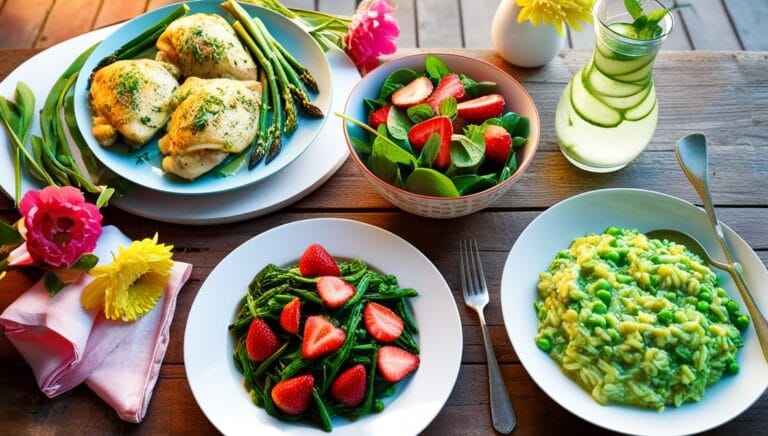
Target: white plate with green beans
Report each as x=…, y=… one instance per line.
x=552, y=232
x=216, y=383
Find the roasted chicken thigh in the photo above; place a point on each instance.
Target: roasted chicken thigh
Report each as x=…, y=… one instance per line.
x=133, y=98
x=206, y=46
x=214, y=117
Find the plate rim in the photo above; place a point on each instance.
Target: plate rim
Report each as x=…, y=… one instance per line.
x=451, y=319
x=213, y=184
x=508, y=317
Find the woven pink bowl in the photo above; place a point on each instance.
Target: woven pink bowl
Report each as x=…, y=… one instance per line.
x=517, y=100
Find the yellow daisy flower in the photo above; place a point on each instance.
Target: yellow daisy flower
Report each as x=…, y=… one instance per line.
x=132, y=284
x=556, y=12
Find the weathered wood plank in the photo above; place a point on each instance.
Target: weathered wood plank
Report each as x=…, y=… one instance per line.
x=477, y=17
x=21, y=21
x=405, y=14
x=749, y=18
x=708, y=25
x=114, y=11
x=439, y=23
x=337, y=7
x=67, y=19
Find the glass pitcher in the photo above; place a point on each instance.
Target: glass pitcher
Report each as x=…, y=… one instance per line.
x=608, y=111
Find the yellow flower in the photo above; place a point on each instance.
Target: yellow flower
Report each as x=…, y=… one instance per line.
x=556, y=12
x=132, y=284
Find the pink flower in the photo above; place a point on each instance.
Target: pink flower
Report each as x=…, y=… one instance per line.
x=373, y=33
x=60, y=226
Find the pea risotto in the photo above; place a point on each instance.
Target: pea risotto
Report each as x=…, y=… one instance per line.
x=637, y=321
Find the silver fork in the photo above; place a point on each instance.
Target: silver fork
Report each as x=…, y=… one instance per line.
x=476, y=296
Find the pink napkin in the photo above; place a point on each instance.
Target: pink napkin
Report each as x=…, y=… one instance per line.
x=66, y=345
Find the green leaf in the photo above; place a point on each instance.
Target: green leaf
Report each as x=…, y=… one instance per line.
x=523, y=128
x=430, y=150
x=656, y=15
x=363, y=148
x=477, y=89
x=52, y=283
x=466, y=152
x=427, y=181
x=449, y=108
x=435, y=67
x=372, y=104
x=385, y=158
x=9, y=235
x=86, y=262
x=104, y=197
x=509, y=167
x=634, y=8
x=517, y=141
x=420, y=112
x=471, y=183
x=397, y=80
x=508, y=121
x=398, y=123
x=26, y=102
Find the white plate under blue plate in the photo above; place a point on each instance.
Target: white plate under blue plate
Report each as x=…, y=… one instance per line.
x=143, y=166
x=593, y=212
x=208, y=345
x=310, y=170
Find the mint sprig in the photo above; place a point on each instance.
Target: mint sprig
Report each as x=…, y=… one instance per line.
x=646, y=25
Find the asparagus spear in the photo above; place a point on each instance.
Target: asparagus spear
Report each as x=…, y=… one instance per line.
x=303, y=73
x=297, y=89
x=263, y=139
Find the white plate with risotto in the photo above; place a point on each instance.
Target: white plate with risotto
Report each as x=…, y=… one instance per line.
x=550, y=236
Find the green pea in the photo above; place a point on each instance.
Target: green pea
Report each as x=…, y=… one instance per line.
x=741, y=322
x=604, y=296
x=588, y=267
x=732, y=367
x=563, y=254
x=614, y=231
x=625, y=279
x=599, y=307
x=702, y=306
x=602, y=284
x=655, y=279
x=666, y=316
x=611, y=255
x=615, y=336
x=544, y=344
x=732, y=306
x=721, y=293
x=705, y=296
x=378, y=406
x=656, y=259
x=596, y=320
x=623, y=251
x=671, y=296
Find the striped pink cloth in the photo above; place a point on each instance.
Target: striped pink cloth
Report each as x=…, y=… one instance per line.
x=66, y=345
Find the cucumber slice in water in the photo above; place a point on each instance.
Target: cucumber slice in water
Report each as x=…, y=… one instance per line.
x=643, y=109
x=642, y=75
x=604, y=85
x=590, y=108
x=624, y=103
x=615, y=67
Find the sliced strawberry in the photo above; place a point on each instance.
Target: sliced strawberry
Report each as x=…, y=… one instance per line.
x=379, y=116
x=381, y=322
x=321, y=337
x=316, y=261
x=498, y=142
x=419, y=134
x=349, y=386
x=413, y=93
x=290, y=316
x=292, y=395
x=261, y=342
x=334, y=291
x=450, y=86
x=395, y=363
x=480, y=109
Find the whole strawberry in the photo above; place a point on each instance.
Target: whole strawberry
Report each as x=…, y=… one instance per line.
x=349, y=386
x=261, y=342
x=292, y=395
x=316, y=262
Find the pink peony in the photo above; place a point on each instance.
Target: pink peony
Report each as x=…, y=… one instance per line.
x=60, y=226
x=373, y=33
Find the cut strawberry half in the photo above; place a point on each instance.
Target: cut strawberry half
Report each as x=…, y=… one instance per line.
x=321, y=337
x=260, y=342
x=420, y=133
x=395, y=363
x=498, y=142
x=480, y=109
x=413, y=93
x=290, y=316
x=316, y=261
x=381, y=322
x=292, y=395
x=334, y=291
x=379, y=116
x=349, y=386
x=449, y=86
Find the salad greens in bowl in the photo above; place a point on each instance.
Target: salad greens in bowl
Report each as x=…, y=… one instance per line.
x=441, y=135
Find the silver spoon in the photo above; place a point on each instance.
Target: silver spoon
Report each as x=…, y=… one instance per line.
x=691, y=153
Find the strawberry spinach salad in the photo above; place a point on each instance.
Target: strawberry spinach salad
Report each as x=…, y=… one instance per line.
x=440, y=133
x=324, y=338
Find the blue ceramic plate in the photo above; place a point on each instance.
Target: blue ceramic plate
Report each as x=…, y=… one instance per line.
x=143, y=166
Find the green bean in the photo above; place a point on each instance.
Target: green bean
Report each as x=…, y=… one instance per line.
x=401, y=293
x=325, y=419
x=294, y=367
x=360, y=290
x=339, y=357
x=270, y=360
x=405, y=314
x=269, y=406
x=368, y=401
x=306, y=295
x=406, y=342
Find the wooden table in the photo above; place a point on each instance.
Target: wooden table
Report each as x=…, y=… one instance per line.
x=722, y=94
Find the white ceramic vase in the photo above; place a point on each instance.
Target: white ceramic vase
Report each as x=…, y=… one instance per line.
x=523, y=44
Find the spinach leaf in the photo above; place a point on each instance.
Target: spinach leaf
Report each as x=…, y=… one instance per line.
x=363, y=148
x=508, y=121
x=420, y=112
x=509, y=167
x=397, y=80
x=385, y=158
x=471, y=183
x=372, y=105
x=427, y=181
x=398, y=123
x=477, y=89
x=430, y=150
x=435, y=67
x=517, y=141
x=449, y=108
x=466, y=152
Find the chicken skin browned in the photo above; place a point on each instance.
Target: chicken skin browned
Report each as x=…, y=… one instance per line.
x=132, y=98
x=206, y=46
x=214, y=117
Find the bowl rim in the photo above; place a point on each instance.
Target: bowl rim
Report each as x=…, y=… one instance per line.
x=520, y=170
